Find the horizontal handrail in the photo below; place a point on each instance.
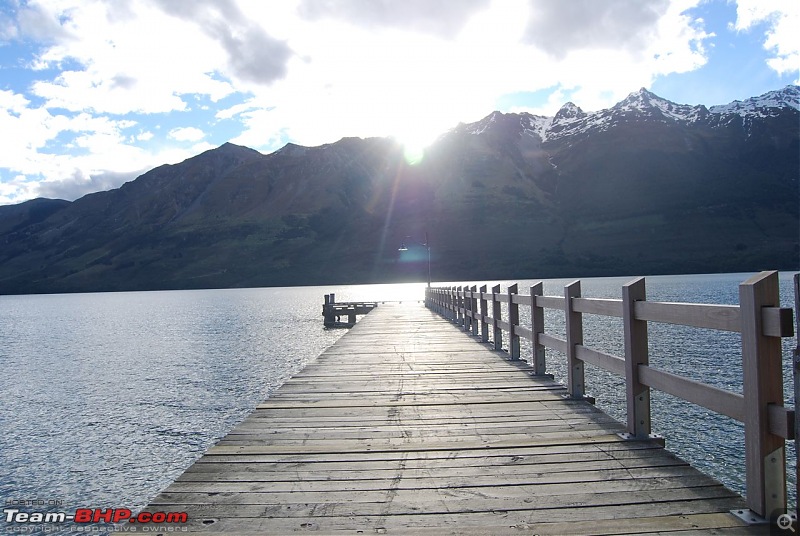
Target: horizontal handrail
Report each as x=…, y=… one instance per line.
x=597, y=306
x=758, y=318
x=710, y=397
x=720, y=317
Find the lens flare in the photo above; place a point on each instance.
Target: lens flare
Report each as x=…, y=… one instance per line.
x=413, y=153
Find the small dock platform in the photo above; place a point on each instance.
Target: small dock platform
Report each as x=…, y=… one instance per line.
x=407, y=425
x=333, y=312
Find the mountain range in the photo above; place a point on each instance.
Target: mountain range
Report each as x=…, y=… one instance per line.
x=644, y=187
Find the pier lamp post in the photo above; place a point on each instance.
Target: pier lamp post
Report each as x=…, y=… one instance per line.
x=426, y=245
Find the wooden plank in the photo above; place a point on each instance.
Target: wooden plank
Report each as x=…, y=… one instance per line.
x=428, y=463
x=702, y=523
x=626, y=516
x=612, y=447
x=446, y=500
x=491, y=475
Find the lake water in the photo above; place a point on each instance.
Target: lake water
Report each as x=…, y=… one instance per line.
x=107, y=398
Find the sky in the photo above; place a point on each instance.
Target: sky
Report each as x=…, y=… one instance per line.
x=95, y=92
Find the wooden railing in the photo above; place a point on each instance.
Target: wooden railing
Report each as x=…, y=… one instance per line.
x=758, y=317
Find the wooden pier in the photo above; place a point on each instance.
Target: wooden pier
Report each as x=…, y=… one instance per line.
x=407, y=425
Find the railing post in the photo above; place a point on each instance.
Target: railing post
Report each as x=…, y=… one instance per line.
x=537, y=327
x=453, y=304
x=328, y=319
x=474, y=306
x=484, y=313
x=458, y=305
x=462, y=301
x=467, y=303
x=765, y=458
x=448, y=304
x=513, y=322
x=497, y=333
x=636, y=354
x=574, y=324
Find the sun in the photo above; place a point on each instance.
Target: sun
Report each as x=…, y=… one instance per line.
x=413, y=152
x=415, y=144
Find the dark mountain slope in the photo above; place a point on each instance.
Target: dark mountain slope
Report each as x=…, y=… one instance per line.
x=646, y=186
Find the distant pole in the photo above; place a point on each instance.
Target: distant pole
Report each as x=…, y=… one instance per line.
x=428, y=247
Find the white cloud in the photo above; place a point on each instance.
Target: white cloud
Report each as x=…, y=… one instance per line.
x=80, y=183
x=559, y=27
x=442, y=17
x=782, y=18
x=8, y=31
x=141, y=62
x=252, y=54
x=69, y=155
x=187, y=134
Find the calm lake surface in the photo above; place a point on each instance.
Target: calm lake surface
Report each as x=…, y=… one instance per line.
x=107, y=398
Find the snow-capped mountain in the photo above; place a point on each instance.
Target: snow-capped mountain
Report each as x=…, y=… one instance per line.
x=571, y=120
x=762, y=106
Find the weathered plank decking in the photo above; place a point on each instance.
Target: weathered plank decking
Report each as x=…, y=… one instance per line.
x=406, y=425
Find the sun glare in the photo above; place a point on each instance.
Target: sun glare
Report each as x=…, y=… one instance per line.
x=413, y=153
x=414, y=146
